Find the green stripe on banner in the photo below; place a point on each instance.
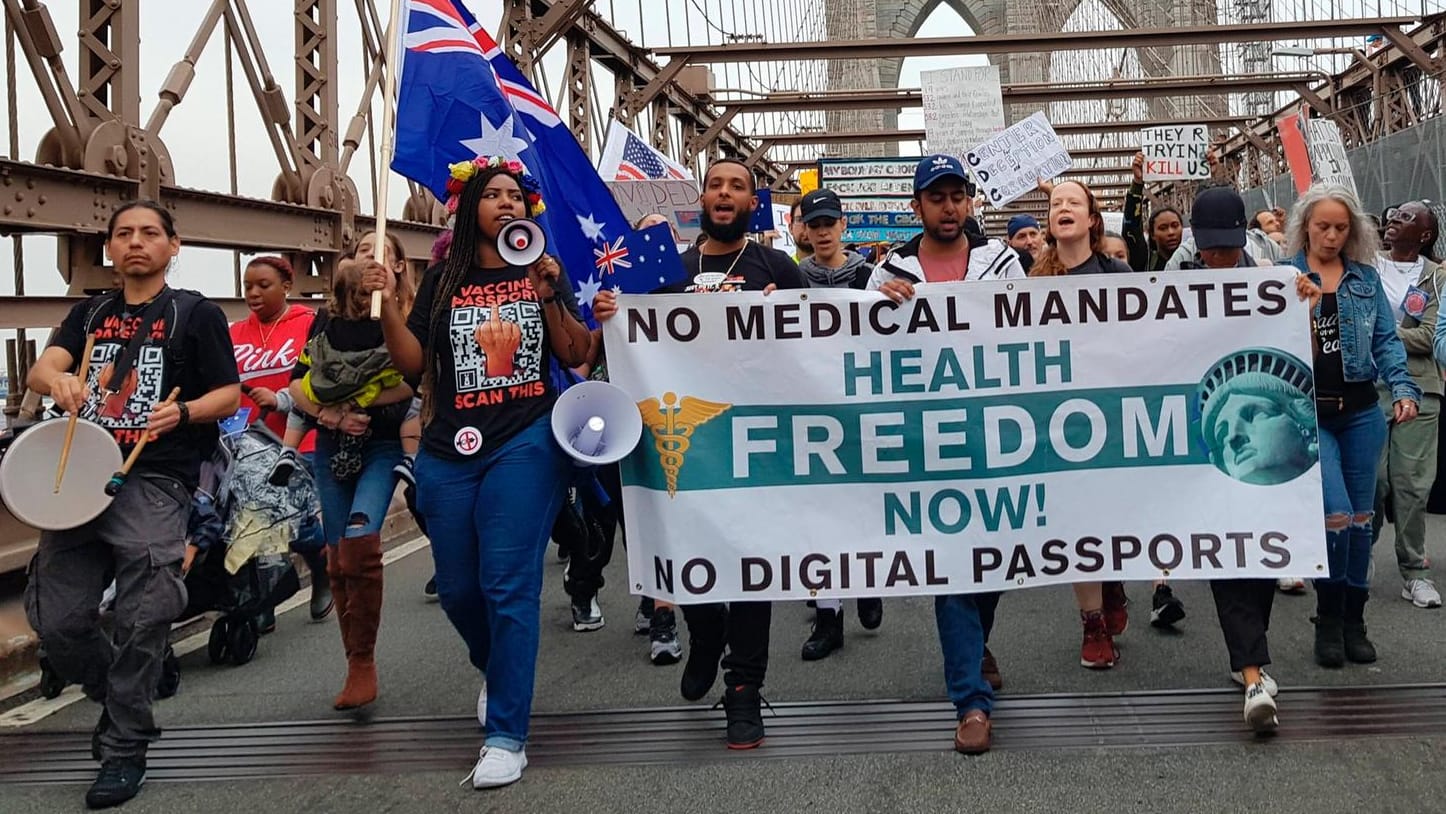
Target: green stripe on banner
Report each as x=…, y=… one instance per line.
x=937, y=439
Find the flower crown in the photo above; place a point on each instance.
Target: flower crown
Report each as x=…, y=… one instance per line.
x=463, y=171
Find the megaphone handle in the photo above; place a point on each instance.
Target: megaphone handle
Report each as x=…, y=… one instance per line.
x=118, y=480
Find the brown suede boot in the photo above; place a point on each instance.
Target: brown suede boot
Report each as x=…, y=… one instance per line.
x=362, y=563
x=340, y=595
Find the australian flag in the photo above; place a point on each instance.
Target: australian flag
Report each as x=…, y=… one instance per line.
x=461, y=97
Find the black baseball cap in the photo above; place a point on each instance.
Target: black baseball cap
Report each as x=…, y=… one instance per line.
x=820, y=203
x=1217, y=220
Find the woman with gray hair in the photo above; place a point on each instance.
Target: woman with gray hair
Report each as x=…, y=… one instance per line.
x=1355, y=342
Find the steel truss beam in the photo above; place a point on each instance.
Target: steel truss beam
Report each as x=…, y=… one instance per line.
x=1036, y=92
x=52, y=200
x=825, y=137
x=883, y=48
x=646, y=80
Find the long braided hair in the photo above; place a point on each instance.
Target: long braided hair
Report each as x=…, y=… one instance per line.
x=461, y=257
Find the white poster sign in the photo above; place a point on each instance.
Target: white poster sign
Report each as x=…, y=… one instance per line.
x=782, y=223
x=1011, y=164
x=1176, y=152
x=1329, y=163
x=963, y=107
x=980, y=437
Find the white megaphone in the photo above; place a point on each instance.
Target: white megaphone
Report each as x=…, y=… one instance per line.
x=596, y=423
x=521, y=242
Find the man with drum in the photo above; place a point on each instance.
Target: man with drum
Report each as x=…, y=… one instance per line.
x=160, y=375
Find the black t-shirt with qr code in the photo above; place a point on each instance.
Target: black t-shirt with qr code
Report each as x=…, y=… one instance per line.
x=204, y=350
x=485, y=396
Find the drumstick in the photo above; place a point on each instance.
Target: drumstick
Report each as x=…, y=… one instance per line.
x=75, y=416
x=113, y=487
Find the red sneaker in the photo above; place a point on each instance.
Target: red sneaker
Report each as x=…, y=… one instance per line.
x=1098, y=650
x=1116, y=607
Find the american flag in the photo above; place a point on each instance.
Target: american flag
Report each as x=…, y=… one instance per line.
x=641, y=162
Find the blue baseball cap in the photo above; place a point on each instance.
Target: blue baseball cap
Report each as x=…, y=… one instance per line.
x=932, y=168
x=1021, y=222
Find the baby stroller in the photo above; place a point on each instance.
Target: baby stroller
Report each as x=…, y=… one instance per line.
x=244, y=528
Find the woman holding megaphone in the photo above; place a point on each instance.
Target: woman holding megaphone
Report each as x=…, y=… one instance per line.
x=490, y=478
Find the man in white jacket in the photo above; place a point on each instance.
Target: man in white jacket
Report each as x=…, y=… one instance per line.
x=946, y=251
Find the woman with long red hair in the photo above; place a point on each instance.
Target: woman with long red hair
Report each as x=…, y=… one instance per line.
x=1074, y=244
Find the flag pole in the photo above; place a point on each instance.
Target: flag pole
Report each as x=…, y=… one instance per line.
x=389, y=137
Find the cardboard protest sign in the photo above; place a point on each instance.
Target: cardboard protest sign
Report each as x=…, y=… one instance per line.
x=1176, y=152
x=1011, y=164
x=1329, y=163
x=963, y=108
x=676, y=200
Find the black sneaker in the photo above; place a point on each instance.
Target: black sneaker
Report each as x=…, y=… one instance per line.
x=119, y=780
x=743, y=707
x=827, y=635
x=587, y=615
x=1165, y=609
x=663, y=646
x=404, y=473
x=429, y=591
x=871, y=613
x=266, y=622
x=705, y=649
x=282, y=470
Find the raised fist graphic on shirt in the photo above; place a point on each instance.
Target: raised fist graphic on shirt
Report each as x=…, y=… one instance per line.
x=499, y=340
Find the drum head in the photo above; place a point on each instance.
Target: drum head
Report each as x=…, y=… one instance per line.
x=27, y=475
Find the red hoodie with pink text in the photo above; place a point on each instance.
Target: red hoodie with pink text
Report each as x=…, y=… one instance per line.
x=265, y=355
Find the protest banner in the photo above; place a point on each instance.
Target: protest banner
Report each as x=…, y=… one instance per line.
x=963, y=107
x=1329, y=163
x=1012, y=163
x=876, y=193
x=1175, y=152
x=980, y=437
x=677, y=200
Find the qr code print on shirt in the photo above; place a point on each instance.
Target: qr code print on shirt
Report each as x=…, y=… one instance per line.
x=150, y=371
x=470, y=362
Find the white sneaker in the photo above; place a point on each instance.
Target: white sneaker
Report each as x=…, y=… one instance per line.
x=1260, y=708
x=498, y=767
x=1290, y=585
x=482, y=704
x=1265, y=681
x=1422, y=593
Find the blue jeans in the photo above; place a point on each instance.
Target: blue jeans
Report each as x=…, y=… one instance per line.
x=359, y=506
x=961, y=638
x=489, y=519
x=1350, y=449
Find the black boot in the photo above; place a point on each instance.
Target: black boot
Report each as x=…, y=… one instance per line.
x=871, y=613
x=1330, y=647
x=827, y=635
x=1358, y=648
x=707, y=636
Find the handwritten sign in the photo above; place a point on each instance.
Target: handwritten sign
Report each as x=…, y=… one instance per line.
x=963, y=107
x=676, y=200
x=1329, y=163
x=875, y=193
x=1175, y=152
x=1010, y=165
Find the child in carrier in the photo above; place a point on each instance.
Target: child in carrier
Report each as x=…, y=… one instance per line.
x=346, y=367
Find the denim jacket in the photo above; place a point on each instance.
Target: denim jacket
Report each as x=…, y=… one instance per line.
x=1370, y=346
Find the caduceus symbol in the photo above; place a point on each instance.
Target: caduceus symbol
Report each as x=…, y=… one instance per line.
x=672, y=422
